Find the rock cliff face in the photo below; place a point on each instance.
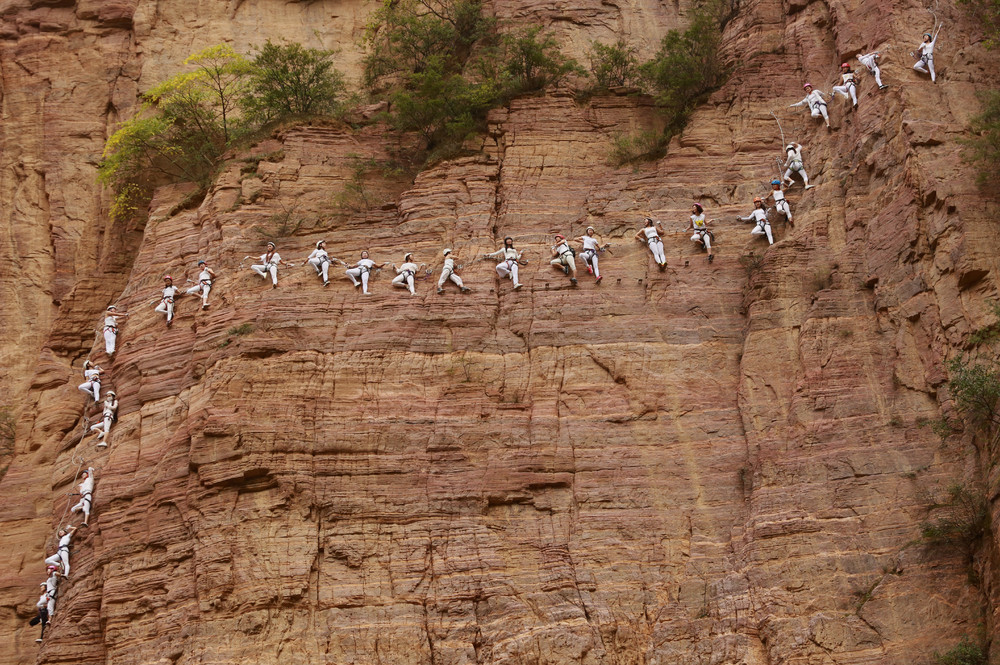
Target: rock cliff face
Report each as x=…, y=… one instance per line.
x=720, y=463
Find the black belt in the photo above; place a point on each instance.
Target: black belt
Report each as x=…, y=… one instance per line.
x=112, y=329
x=656, y=238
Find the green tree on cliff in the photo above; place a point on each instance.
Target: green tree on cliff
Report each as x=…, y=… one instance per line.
x=289, y=79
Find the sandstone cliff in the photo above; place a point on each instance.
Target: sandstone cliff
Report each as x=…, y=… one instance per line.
x=717, y=464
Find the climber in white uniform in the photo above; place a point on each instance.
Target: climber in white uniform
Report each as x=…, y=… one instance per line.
x=925, y=53
x=814, y=100
x=320, y=260
x=51, y=585
x=564, y=258
x=204, y=285
x=43, y=615
x=92, y=384
x=361, y=271
x=61, y=557
x=448, y=273
x=269, y=262
x=793, y=164
x=759, y=215
x=780, y=202
x=166, y=305
x=107, y=417
x=870, y=60
x=508, y=266
x=699, y=225
x=111, y=329
x=405, y=273
x=591, y=248
x=848, y=84
x=651, y=234
x=86, y=502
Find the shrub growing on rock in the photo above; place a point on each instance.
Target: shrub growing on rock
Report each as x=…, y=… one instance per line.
x=982, y=148
x=289, y=79
x=614, y=65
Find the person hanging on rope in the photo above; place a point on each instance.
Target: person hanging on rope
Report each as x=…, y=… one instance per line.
x=361, y=271
x=564, y=258
x=166, y=305
x=448, y=273
x=43, y=614
x=320, y=260
x=848, y=84
x=92, y=384
x=793, y=164
x=870, y=60
x=702, y=234
x=86, y=501
x=49, y=594
x=204, y=286
x=651, y=234
x=269, y=262
x=61, y=557
x=780, y=202
x=510, y=258
x=405, y=273
x=591, y=248
x=814, y=100
x=109, y=415
x=111, y=329
x=925, y=53
x=759, y=215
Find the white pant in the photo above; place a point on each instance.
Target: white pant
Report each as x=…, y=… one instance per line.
x=322, y=268
x=262, y=270
x=92, y=387
x=166, y=305
x=448, y=274
x=50, y=604
x=877, y=72
x=590, y=257
x=844, y=89
x=102, y=428
x=567, y=260
x=110, y=338
x=801, y=171
x=782, y=207
x=930, y=63
x=656, y=247
x=203, y=289
x=508, y=268
x=760, y=230
x=702, y=238
x=404, y=279
x=60, y=557
x=818, y=110
x=362, y=273
x=83, y=504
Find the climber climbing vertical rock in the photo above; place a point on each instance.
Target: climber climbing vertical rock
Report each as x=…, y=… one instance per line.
x=510, y=259
x=815, y=102
x=759, y=215
x=591, y=248
x=360, y=272
x=42, y=617
x=651, y=234
x=320, y=260
x=564, y=258
x=848, y=86
x=61, y=557
x=269, y=262
x=702, y=234
x=86, y=492
x=925, y=53
x=92, y=383
x=780, y=202
x=108, y=416
x=794, y=164
x=870, y=60
x=51, y=585
x=448, y=274
x=206, y=277
x=405, y=273
x=111, y=329
x=166, y=305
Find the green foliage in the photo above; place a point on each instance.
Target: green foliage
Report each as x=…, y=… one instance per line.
x=358, y=195
x=975, y=386
x=533, y=61
x=641, y=146
x=987, y=14
x=240, y=330
x=982, y=148
x=964, y=653
x=288, y=79
x=965, y=519
x=615, y=65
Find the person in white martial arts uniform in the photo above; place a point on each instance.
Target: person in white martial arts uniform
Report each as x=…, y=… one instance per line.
x=702, y=234
x=43, y=615
x=111, y=329
x=86, y=491
x=848, y=85
x=61, y=557
x=448, y=274
x=814, y=100
x=564, y=258
x=204, y=286
x=166, y=305
x=51, y=585
x=651, y=234
x=925, y=53
x=320, y=260
x=780, y=202
x=269, y=262
x=870, y=60
x=591, y=248
x=405, y=273
x=508, y=265
x=793, y=164
x=360, y=271
x=759, y=215
x=92, y=385
x=107, y=417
